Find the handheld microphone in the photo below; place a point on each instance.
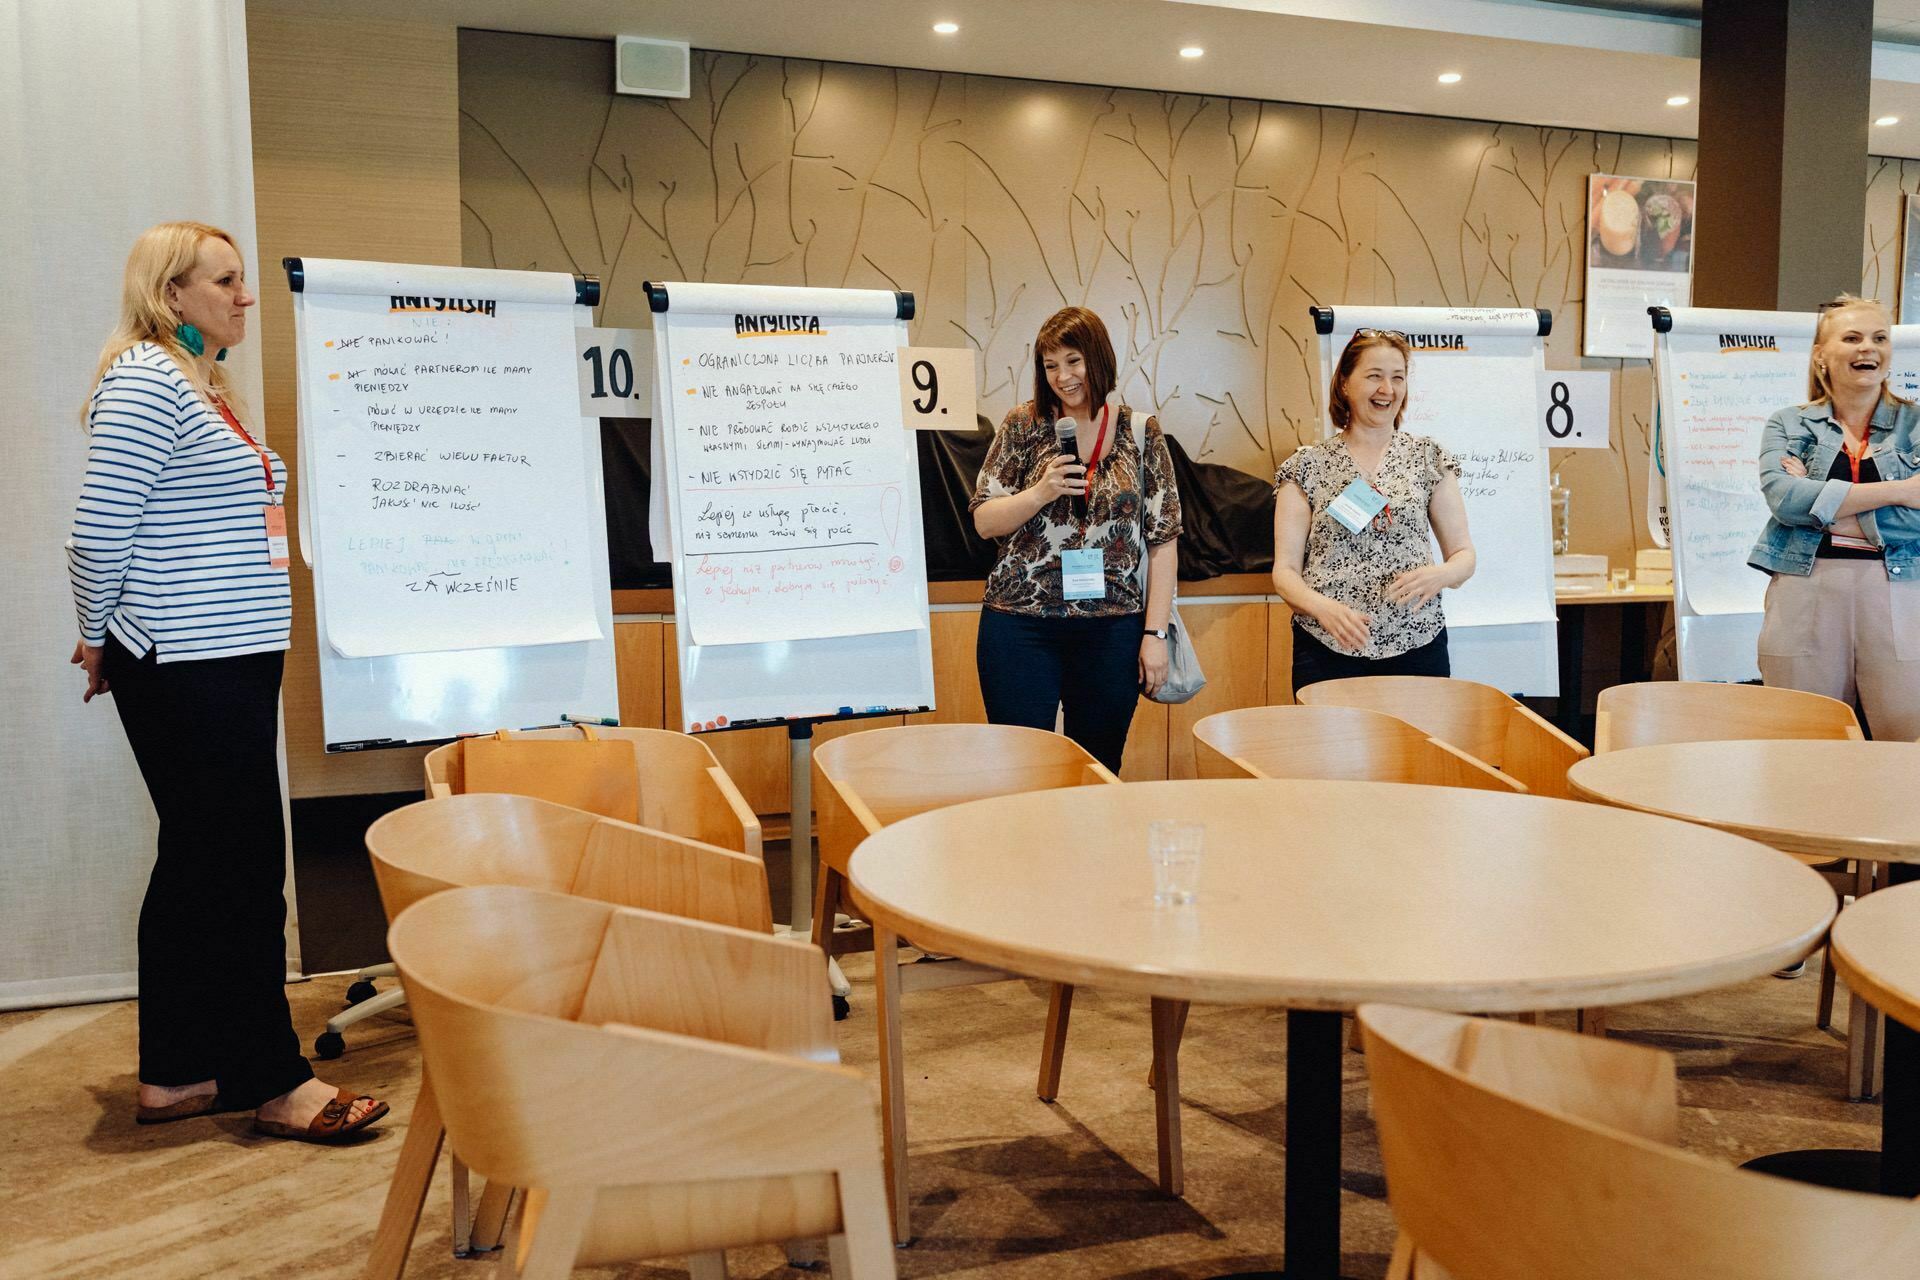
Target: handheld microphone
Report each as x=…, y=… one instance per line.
x=1066, y=436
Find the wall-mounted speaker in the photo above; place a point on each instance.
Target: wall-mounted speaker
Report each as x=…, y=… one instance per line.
x=655, y=68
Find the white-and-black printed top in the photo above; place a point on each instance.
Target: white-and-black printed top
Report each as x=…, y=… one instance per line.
x=1355, y=568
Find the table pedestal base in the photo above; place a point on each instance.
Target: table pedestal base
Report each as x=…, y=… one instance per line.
x=1841, y=1169
x=1315, y=1058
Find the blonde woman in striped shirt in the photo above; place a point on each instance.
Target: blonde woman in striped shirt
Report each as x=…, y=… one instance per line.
x=179, y=566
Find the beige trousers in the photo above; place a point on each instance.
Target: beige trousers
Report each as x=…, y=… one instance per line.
x=1846, y=631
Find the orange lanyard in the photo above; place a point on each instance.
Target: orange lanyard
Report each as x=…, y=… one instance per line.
x=266, y=465
x=1855, y=459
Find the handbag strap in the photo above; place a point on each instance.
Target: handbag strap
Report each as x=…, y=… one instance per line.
x=1146, y=549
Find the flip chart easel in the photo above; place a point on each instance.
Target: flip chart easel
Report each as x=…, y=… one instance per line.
x=375, y=695
x=786, y=495
x=1474, y=386
x=1719, y=374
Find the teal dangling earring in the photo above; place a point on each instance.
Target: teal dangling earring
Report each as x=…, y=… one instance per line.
x=189, y=336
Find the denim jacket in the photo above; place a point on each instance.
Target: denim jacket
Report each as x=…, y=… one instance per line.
x=1803, y=506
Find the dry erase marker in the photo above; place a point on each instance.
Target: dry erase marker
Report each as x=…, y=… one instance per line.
x=609, y=721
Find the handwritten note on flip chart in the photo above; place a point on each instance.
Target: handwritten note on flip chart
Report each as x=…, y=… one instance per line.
x=445, y=468
x=1720, y=388
x=790, y=461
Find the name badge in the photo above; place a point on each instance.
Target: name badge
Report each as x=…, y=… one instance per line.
x=1083, y=574
x=277, y=557
x=1357, y=505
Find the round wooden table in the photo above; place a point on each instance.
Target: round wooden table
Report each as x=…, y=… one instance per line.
x=1876, y=948
x=1319, y=896
x=1821, y=799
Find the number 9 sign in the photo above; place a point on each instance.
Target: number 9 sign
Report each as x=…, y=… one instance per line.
x=937, y=388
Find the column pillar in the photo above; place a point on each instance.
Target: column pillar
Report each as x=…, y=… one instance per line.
x=1782, y=208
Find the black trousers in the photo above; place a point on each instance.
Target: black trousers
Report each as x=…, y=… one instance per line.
x=213, y=956
x=1314, y=661
x=1030, y=668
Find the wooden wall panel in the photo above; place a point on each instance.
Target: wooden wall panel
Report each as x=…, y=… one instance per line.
x=1146, y=755
x=956, y=674
x=1279, y=655
x=639, y=656
x=355, y=155
x=1231, y=641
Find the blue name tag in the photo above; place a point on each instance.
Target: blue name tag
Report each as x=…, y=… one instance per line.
x=1357, y=505
x=1083, y=574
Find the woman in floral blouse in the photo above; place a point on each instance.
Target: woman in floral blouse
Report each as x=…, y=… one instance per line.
x=1064, y=623
x=1350, y=529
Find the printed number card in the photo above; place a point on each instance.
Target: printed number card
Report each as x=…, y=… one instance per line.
x=937, y=388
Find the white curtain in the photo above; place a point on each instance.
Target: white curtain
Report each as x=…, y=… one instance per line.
x=114, y=115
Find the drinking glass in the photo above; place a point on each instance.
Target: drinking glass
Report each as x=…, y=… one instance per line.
x=1174, y=850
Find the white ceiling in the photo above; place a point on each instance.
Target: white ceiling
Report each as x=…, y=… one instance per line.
x=1607, y=65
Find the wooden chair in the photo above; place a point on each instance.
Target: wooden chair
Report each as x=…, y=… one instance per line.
x=1524, y=1153
x=683, y=790
x=496, y=839
x=1656, y=713
x=1475, y=718
x=661, y=1086
x=1334, y=742
x=865, y=781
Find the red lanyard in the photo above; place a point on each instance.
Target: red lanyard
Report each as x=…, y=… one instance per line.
x=1093, y=460
x=265, y=464
x=1855, y=459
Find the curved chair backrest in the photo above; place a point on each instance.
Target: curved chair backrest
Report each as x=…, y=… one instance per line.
x=1461, y=713
x=1333, y=742
x=683, y=788
x=1658, y=712
x=1524, y=1153
x=498, y=839
x=572, y=1043
x=871, y=779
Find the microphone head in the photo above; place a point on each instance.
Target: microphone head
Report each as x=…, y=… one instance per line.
x=1066, y=434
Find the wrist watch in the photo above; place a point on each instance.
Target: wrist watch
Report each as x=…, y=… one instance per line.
x=1161, y=634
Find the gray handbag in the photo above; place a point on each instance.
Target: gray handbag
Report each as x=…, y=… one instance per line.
x=1184, y=676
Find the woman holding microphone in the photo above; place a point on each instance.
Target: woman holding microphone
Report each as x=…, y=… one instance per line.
x=1350, y=529
x=1075, y=502
x=1841, y=475
x=179, y=566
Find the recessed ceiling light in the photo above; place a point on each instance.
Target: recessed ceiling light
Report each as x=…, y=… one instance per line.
x=1192, y=51
x=1884, y=121
x=1449, y=77
x=1678, y=100
x=946, y=28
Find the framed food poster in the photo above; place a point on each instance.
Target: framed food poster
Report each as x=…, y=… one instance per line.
x=1639, y=255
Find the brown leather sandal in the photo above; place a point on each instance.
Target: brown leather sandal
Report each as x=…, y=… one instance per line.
x=206, y=1104
x=330, y=1125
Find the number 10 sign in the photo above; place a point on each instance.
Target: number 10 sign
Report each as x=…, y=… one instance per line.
x=937, y=388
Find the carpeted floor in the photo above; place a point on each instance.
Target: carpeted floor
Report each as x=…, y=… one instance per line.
x=1001, y=1183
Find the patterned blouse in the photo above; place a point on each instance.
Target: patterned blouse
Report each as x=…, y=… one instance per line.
x=1026, y=579
x=1355, y=568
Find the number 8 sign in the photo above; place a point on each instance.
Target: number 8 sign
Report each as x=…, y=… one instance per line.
x=1576, y=408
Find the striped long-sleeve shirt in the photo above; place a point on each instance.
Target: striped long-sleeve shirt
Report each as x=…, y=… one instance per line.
x=169, y=549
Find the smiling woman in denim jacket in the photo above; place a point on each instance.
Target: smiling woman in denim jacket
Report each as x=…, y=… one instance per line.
x=1842, y=477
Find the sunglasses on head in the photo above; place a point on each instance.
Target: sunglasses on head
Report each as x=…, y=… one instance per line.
x=1379, y=333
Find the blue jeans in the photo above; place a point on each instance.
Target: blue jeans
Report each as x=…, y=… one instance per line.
x=1031, y=667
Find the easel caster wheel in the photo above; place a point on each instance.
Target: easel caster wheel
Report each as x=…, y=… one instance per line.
x=329, y=1045
x=841, y=1008
x=361, y=990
